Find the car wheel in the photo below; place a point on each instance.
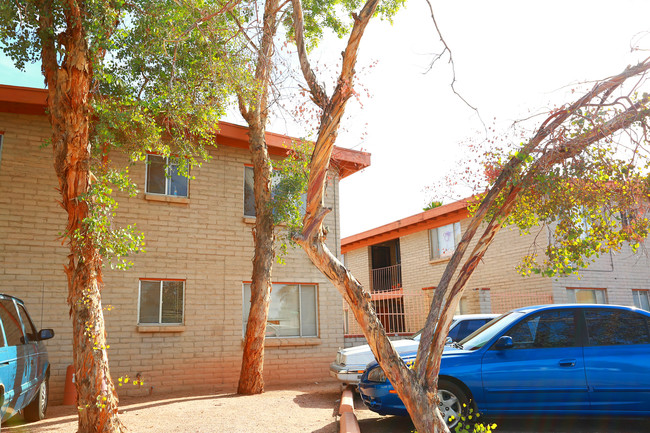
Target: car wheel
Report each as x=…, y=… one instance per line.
x=35, y=411
x=453, y=403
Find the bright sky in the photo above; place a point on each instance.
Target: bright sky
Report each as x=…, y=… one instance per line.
x=512, y=58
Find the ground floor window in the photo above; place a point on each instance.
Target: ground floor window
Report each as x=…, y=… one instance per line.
x=586, y=296
x=641, y=299
x=161, y=301
x=293, y=311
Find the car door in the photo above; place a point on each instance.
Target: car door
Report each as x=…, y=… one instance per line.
x=617, y=358
x=542, y=372
x=14, y=371
x=31, y=348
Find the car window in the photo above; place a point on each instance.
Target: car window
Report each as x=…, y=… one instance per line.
x=477, y=339
x=455, y=331
x=471, y=326
x=11, y=323
x=555, y=328
x=32, y=335
x=608, y=327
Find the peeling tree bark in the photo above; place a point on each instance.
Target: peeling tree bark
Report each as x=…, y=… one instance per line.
x=251, y=379
x=419, y=398
x=418, y=387
x=69, y=114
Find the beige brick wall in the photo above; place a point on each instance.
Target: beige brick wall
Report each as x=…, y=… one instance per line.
x=617, y=273
x=206, y=242
x=496, y=286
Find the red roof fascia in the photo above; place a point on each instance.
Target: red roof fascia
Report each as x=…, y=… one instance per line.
x=436, y=217
x=27, y=100
x=22, y=100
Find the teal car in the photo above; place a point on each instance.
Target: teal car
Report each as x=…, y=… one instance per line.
x=24, y=366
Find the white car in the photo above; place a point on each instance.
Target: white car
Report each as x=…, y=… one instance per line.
x=351, y=362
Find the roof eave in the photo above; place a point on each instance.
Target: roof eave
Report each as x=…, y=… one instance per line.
x=28, y=100
x=432, y=218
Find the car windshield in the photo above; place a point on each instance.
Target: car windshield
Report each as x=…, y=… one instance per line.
x=417, y=335
x=485, y=333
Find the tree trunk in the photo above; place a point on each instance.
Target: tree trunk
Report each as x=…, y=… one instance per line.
x=418, y=388
x=419, y=396
x=251, y=379
x=68, y=111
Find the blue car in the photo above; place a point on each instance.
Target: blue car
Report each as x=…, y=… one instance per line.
x=553, y=359
x=24, y=366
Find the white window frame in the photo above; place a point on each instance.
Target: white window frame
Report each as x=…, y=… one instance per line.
x=168, y=165
x=637, y=294
x=573, y=291
x=246, y=302
x=434, y=243
x=160, y=300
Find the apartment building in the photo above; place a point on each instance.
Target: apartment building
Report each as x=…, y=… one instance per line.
x=402, y=262
x=177, y=317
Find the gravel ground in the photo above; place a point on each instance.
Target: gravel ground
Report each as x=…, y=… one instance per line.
x=302, y=408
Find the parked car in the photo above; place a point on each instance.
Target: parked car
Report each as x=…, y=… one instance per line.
x=351, y=362
x=552, y=359
x=24, y=366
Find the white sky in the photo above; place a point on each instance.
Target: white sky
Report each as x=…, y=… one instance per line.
x=511, y=58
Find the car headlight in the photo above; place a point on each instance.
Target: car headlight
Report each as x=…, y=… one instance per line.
x=376, y=375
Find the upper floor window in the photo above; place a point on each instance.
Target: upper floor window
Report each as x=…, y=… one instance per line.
x=293, y=310
x=1, y=138
x=443, y=240
x=586, y=296
x=249, y=192
x=641, y=299
x=161, y=302
x=163, y=177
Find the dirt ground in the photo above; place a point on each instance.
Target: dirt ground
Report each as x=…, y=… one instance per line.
x=302, y=408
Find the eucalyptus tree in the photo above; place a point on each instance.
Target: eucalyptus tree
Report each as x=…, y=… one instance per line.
x=585, y=164
x=130, y=76
x=265, y=25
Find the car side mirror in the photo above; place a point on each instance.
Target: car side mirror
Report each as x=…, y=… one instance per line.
x=448, y=340
x=45, y=334
x=504, y=342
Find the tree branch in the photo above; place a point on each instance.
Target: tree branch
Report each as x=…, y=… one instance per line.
x=332, y=113
x=318, y=94
x=425, y=362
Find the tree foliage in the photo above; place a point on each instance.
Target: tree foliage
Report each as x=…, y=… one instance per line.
x=432, y=205
x=590, y=202
x=141, y=76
